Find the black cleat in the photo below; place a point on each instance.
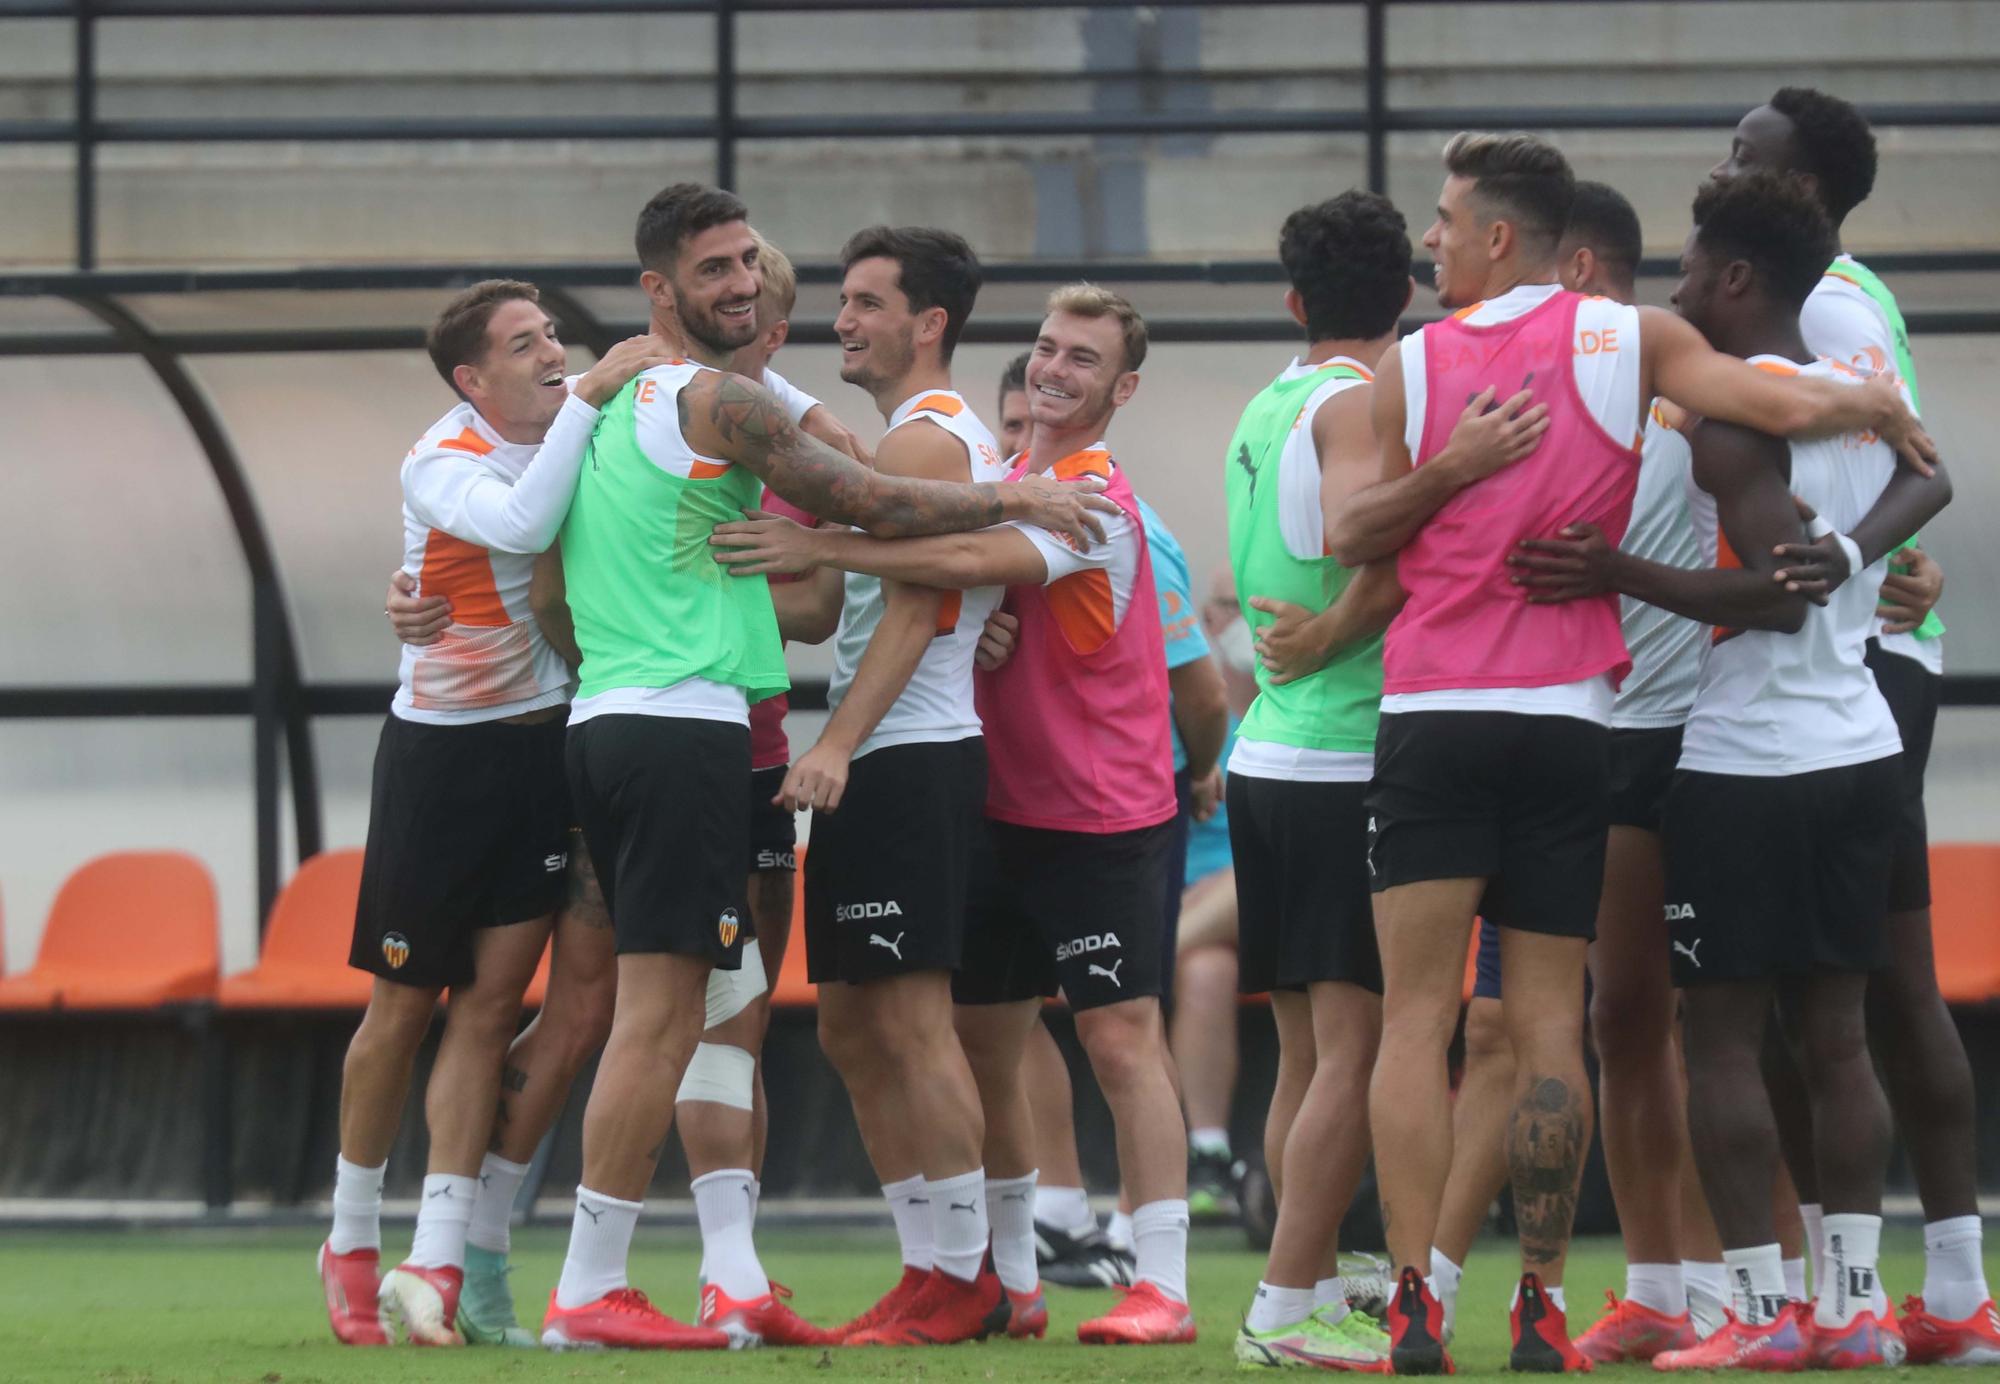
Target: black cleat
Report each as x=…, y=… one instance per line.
x=1080, y=1261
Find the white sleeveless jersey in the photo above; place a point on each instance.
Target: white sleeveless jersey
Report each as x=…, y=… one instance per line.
x=936, y=705
x=471, y=534
x=1665, y=648
x=1778, y=705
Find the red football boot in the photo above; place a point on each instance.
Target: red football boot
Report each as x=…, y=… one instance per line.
x=623, y=1320
x=1416, y=1328
x=889, y=1308
x=1941, y=1341
x=350, y=1282
x=1780, y=1346
x=944, y=1312
x=419, y=1304
x=1541, y=1334
x=1866, y=1341
x=1027, y=1314
x=1629, y=1332
x=1147, y=1316
x=759, y=1321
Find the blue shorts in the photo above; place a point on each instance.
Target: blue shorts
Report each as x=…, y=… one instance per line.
x=1486, y=968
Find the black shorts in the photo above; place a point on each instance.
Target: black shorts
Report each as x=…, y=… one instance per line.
x=1486, y=963
x=1521, y=801
x=1303, y=909
x=887, y=875
x=663, y=801
x=1911, y=690
x=468, y=827
x=774, y=830
x=1065, y=910
x=1642, y=769
x=1780, y=877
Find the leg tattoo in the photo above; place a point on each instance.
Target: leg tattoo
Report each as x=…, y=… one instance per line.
x=1545, y=1149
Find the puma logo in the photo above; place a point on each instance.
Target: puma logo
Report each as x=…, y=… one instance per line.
x=440, y=1192
x=895, y=948
x=1013, y=1196
x=964, y=1206
x=596, y=1213
x=1110, y=975
x=1688, y=950
x=1244, y=460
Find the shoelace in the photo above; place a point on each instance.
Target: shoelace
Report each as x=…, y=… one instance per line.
x=630, y=1301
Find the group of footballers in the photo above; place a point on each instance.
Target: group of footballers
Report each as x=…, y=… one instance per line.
x=1571, y=618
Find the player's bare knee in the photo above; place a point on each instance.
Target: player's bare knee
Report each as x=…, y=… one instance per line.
x=1122, y=1042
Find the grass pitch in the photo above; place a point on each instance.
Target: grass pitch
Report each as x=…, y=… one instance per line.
x=153, y=1306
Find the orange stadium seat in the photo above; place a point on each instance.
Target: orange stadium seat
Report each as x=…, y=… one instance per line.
x=304, y=960
x=791, y=987
x=1965, y=893
x=538, y=987
x=130, y=930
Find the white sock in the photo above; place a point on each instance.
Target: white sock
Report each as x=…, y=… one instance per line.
x=493, y=1209
x=1010, y=1208
x=912, y=1210
x=1847, y=1272
x=1814, y=1216
x=1444, y=1280
x=1211, y=1139
x=958, y=1223
x=1954, y=1273
x=1795, y=1279
x=1707, y=1293
x=1554, y=1294
x=442, y=1218
x=1159, y=1243
x=1274, y=1307
x=357, y=1207
x=756, y=1199
x=1118, y=1231
x=1658, y=1286
x=1756, y=1283
x=600, y=1239
x=1330, y=1299
x=723, y=1204
x=1065, y=1208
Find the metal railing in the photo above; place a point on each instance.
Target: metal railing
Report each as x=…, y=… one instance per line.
x=280, y=703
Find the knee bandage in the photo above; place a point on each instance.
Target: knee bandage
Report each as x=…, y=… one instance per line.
x=730, y=992
x=719, y=1073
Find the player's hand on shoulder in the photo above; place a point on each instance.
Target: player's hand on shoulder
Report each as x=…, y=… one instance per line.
x=1900, y=427
x=1490, y=436
x=1575, y=564
x=763, y=543
x=416, y=619
x=996, y=641
x=819, y=422
x=816, y=781
x=633, y=356
x=1287, y=647
x=1068, y=507
x=1914, y=584
x=1815, y=569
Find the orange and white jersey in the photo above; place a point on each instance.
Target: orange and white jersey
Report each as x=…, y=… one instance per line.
x=936, y=704
x=1774, y=705
x=1091, y=589
x=477, y=509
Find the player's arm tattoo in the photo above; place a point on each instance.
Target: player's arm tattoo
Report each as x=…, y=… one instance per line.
x=753, y=430
x=1546, y=1140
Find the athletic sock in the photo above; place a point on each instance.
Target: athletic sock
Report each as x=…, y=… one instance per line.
x=912, y=1210
x=1814, y=1216
x=1212, y=1140
x=1795, y=1279
x=1159, y=1244
x=1553, y=1291
x=1118, y=1231
x=493, y=1209
x=357, y=1207
x=1707, y=1283
x=1330, y=1298
x=958, y=1223
x=1756, y=1283
x=442, y=1218
x=756, y=1199
x=600, y=1239
x=1065, y=1208
x=1847, y=1272
x=1444, y=1280
x=1658, y=1286
x=1274, y=1307
x=722, y=1203
x=1010, y=1208
x=1954, y=1273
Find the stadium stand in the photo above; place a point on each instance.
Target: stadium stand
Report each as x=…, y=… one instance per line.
x=130, y=930
x=303, y=963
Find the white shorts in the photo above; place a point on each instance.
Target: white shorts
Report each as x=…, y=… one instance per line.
x=730, y=992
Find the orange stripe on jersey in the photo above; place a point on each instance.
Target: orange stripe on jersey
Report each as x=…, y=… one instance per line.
x=950, y=603
x=1726, y=560
x=699, y=470
x=1772, y=367
x=1084, y=609
x=1464, y=313
x=1088, y=463
x=463, y=572
x=468, y=441
x=939, y=403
